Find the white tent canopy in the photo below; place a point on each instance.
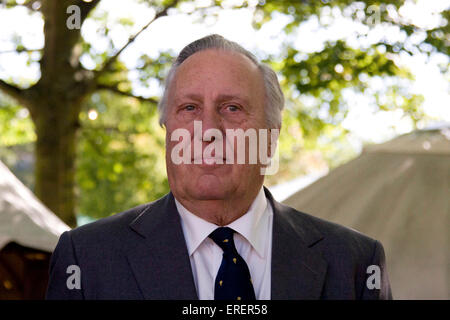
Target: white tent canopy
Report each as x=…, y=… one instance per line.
x=23, y=218
x=399, y=193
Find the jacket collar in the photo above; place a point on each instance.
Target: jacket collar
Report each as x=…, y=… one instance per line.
x=160, y=262
x=298, y=269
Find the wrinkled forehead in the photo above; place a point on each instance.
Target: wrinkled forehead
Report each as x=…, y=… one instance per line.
x=215, y=54
x=221, y=70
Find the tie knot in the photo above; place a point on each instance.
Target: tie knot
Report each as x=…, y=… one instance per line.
x=223, y=237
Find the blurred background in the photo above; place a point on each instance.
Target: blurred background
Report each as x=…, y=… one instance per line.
x=365, y=140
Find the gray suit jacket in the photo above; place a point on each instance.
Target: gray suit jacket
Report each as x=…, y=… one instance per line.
x=141, y=254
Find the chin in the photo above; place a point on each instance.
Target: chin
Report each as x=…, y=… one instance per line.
x=209, y=195
x=209, y=188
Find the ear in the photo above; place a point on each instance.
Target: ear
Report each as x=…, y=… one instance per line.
x=269, y=144
x=273, y=135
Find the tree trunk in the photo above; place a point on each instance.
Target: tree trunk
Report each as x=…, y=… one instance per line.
x=55, y=155
x=54, y=103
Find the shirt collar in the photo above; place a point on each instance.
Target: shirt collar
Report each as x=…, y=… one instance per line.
x=195, y=228
x=252, y=225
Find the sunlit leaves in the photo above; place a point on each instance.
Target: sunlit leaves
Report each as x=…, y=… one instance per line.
x=325, y=74
x=120, y=156
x=149, y=68
x=16, y=126
x=439, y=37
x=335, y=67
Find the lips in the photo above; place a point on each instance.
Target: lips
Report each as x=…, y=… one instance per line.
x=208, y=161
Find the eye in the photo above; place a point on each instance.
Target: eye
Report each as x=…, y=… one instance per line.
x=189, y=107
x=232, y=108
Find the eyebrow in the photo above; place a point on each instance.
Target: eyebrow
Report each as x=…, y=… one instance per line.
x=220, y=97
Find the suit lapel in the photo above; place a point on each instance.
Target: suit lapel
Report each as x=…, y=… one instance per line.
x=161, y=265
x=160, y=261
x=298, y=270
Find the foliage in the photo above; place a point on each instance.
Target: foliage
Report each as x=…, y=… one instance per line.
x=315, y=81
x=16, y=127
x=120, y=163
x=120, y=160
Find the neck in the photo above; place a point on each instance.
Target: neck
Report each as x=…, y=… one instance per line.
x=220, y=211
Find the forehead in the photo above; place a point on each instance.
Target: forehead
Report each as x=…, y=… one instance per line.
x=218, y=72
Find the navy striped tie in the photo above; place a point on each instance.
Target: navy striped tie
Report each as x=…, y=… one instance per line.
x=233, y=281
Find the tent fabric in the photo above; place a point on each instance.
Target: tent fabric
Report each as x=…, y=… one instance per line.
x=23, y=218
x=399, y=194
x=435, y=141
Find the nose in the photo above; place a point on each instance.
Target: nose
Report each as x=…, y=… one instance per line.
x=211, y=118
x=212, y=131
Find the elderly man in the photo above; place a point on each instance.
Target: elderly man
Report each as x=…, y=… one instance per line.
x=218, y=234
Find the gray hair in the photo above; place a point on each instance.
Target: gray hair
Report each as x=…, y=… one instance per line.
x=274, y=96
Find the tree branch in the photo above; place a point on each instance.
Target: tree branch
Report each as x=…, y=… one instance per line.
x=86, y=7
x=160, y=14
x=27, y=4
x=13, y=91
x=21, y=50
x=59, y=42
x=114, y=89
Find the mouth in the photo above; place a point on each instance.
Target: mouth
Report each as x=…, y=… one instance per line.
x=208, y=161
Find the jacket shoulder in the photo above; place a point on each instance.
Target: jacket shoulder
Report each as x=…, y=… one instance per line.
x=110, y=229
x=333, y=238
x=348, y=254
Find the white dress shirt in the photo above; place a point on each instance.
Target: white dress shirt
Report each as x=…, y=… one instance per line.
x=253, y=240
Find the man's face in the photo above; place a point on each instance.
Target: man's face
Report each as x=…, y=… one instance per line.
x=223, y=90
